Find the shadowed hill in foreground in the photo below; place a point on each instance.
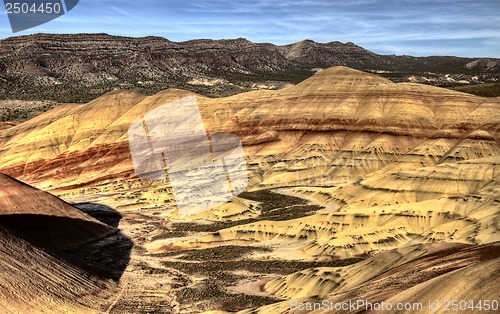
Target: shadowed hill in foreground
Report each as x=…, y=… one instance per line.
x=33, y=281
x=34, y=227
x=55, y=258
x=44, y=219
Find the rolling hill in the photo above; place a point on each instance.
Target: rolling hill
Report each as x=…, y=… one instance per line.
x=344, y=165
x=34, y=227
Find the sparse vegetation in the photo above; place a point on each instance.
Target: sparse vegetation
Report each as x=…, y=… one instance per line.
x=483, y=90
x=23, y=110
x=79, y=68
x=216, y=296
x=219, y=253
x=282, y=267
x=273, y=206
x=212, y=291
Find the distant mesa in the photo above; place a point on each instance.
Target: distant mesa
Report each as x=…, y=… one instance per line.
x=81, y=67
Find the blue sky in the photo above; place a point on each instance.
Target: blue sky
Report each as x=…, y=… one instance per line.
x=469, y=28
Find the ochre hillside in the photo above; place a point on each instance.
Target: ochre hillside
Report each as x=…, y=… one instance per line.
x=338, y=111
x=404, y=176
x=389, y=161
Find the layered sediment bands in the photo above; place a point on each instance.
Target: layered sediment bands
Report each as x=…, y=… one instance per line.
x=352, y=232
x=404, y=175
x=337, y=113
x=309, y=282
x=6, y=125
x=391, y=162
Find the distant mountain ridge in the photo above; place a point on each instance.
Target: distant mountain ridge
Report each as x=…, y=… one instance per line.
x=80, y=67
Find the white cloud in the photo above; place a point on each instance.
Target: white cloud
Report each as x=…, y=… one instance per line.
x=387, y=25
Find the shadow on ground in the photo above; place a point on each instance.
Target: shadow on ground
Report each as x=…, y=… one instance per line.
x=68, y=239
x=107, y=257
